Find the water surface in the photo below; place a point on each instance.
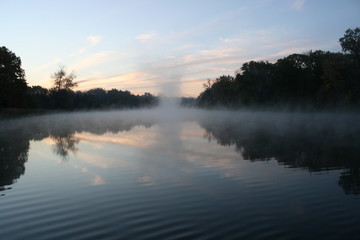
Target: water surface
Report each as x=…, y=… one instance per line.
x=180, y=175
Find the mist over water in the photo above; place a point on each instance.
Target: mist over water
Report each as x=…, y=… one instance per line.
x=169, y=110
x=181, y=172
x=265, y=130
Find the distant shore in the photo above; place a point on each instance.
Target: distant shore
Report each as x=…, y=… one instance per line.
x=6, y=113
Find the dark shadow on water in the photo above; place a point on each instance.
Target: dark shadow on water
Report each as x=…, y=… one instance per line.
x=313, y=142
x=350, y=181
x=16, y=134
x=13, y=155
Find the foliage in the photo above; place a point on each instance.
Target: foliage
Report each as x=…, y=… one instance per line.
x=62, y=80
x=38, y=97
x=315, y=79
x=350, y=43
x=12, y=80
x=96, y=98
x=61, y=96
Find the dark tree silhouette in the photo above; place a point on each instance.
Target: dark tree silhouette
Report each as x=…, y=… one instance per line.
x=311, y=80
x=350, y=43
x=61, y=95
x=12, y=80
x=63, y=80
x=14, y=147
x=38, y=97
x=253, y=86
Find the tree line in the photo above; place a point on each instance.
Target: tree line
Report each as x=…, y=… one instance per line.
x=97, y=98
x=319, y=79
x=15, y=92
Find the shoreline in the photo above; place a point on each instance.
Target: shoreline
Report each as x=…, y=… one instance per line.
x=9, y=113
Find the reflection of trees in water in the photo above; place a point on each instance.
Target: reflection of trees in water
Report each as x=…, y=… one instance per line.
x=299, y=144
x=13, y=155
x=317, y=146
x=350, y=181
x=65, y=144
x=16, y=134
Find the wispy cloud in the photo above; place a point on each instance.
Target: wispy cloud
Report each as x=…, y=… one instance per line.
x=285, y=52
x=184, y=46
x=136, y=82
x=90, y=42
x=130, y=141
x=176, y=71
x=78, y=52
x=187, y=70
x=144, y=37
x=209, y=54
x=230, y=40
x=94, y=39
x=94, y=59
x=46, y=65
x=298, y=4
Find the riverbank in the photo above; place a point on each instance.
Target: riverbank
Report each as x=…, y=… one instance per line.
x=6, y=113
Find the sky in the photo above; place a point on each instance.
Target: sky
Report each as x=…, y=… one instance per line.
x=168, y=47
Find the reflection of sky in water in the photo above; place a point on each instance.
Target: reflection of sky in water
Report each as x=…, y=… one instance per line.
x=170, y=153
x=167, y=174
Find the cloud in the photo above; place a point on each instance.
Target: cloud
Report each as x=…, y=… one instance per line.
x=187, y=70
x=144, y=37
x=137, y=82
x=78, y=52
x=230, y=40
x=169, y=74
x=210, y=54
x=46, y=65
x=298, y=4
x=135, y=141
x=184, y=46
x=283, y=53
x=94, y=39
x=94, y=59
x=91, y=41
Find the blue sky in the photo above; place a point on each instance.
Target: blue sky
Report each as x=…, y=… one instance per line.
x=171, y=47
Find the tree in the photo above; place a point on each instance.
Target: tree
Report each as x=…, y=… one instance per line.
x=307, y=81
x=95, y=98
x=12, y=80
x=253, y=83
x=38, y=97
x=350, y=43
x=62, y=80
x=61, y=95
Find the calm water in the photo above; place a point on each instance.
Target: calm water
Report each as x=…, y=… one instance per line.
x=180, y=175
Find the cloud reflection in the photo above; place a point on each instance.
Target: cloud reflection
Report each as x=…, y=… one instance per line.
x=97, y=180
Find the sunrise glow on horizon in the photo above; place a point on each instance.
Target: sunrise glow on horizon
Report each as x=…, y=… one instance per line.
x=169, y=47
